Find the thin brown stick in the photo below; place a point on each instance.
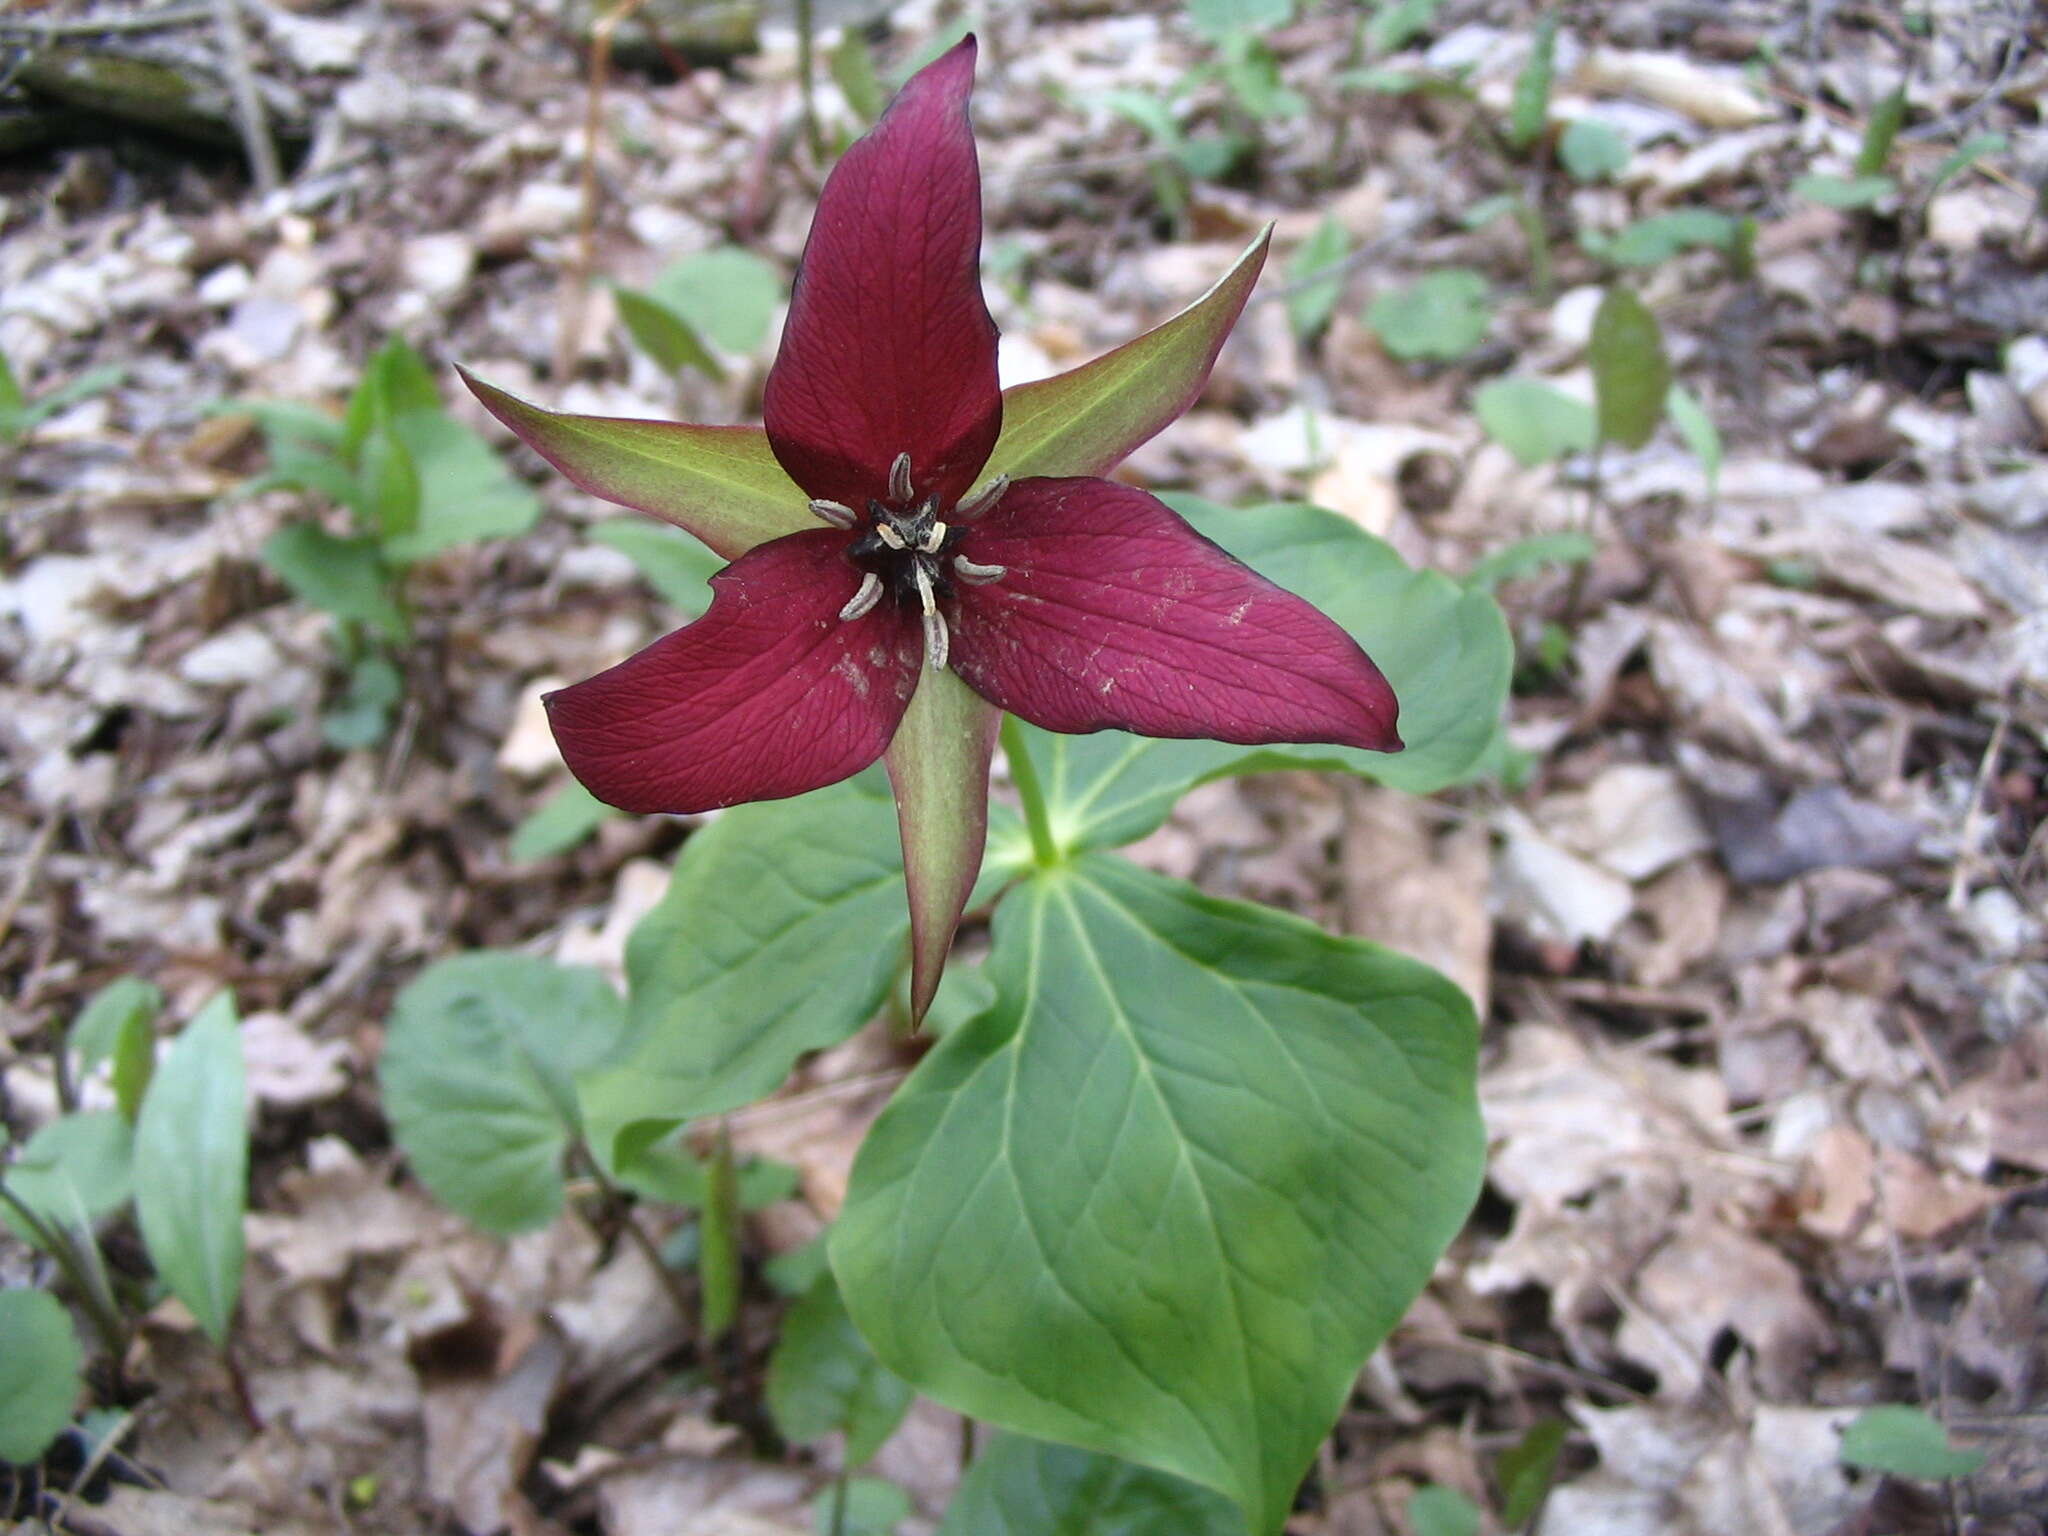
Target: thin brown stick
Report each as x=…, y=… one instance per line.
x=577, y=294
x=251, y=121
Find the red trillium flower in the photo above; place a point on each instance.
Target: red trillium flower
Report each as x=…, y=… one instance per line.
x=1073, y=602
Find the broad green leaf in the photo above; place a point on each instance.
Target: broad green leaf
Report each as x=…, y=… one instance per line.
x=670, y=1172
x=1087, y=420
x=478, y=1070
x=1149, y=112
x=1845, y=191
x=192, y=1167
x=938, y=767
x=1440, y=1511
x=395, y=382
x=1886, y=119
x=286, y=423
x=718, y=1243
x=873, y=1507
x=1591, y=150
x=663, y=334
x=1631, y=374
x=1253, y=75
x=118, y=1026
x=70, y=1173
x=823, y=1377
x=782, y=926
x=1529, y=111
x=39, y=1364
x=466, y=492
x=1525, y=1471
x=675, y=565
x=853, y=69
x=363, y=717
x=1697, y=428
x=1967, y=154
x=1905, y=1442
x=1316, y=277
x=567, y=817
x=1023, y=1487
x=1396, y=23
x=1656, y=239
x=1445, y=650
x=1526, y=556
x=1218, y=20
x=1442, y=316
x=719, y=483
x=1166, y=1196
x=726, y=295
x=1534, y=421
x=345, y=577
x=390, y=479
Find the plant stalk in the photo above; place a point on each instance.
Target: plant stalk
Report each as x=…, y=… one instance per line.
x=1045, y=848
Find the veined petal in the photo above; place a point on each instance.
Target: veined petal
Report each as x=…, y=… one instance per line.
x=720, y=483
x=768, y=695
x=889, y=347
x=1113, y=614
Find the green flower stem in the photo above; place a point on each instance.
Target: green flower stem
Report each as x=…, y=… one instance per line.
x=1045, y=850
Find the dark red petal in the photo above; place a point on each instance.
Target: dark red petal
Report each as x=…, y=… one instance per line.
x=889, y=347
x=769, y=694
x=1112, y=613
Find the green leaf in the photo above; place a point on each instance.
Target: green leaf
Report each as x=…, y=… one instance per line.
x=853, y=68
x=1886, y=119
x=72, y=1172
x=663, y=334
x=1218, y=20
x=718, y=1243
x=1526, y=556
x=39, y=1364
x=1163, y=1200
x=363, y=718
x=1392, y=26
x=1525, y=1471
x=1443, y=315
x=1534, y=421
x=1655, y=240
x=192, y=1167
x=1023, y=1487
x=1698, y=431
x=1316, y=276
x=1631, y=374
x=720, y=483
x=823, y=1377
x=568, y=816
x=118, y=1025
x=1253, y=75
x=1440, y=1511
x=677, y=566
x=390, y=481
x=1967, y=154
x=781, y=929
x=478, y=1070
x=1086, y=421
x=1529, y=112
x=1845, y=191
x=874, y=1507
x=1445, y=650
x=1591, y=151
x=727, y=295
x=465, y=491
x=13, y=404
x=670, y=1172
x=1905, y=1442
x=345, y=577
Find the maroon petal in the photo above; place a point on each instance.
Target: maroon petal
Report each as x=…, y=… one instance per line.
x=889, y=347
x=769, y=694
x=1112, y=613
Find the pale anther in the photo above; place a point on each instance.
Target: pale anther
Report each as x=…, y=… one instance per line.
x=937, y=642
x=933, y=539
x=890, y=536
x=834, y=513
x=967, y=570
x=982, y=499
x=899, y=479
x=869, y=594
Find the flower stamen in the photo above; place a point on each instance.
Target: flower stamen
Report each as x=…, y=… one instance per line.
x=933, y=539
x=967, y=570
x=869, y=594
x=899, y=480
x=983, y=499
x=936, y=639
x=889, y=536
x=835, y=513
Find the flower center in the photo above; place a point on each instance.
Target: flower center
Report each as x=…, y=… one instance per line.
x=904, y=549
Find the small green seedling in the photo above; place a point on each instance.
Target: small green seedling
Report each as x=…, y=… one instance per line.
x=21, y=414
x=1440, y=317
x=1870, y=184
x=1905, y=1442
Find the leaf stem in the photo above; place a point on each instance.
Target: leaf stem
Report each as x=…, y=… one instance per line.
x=1045, y=849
